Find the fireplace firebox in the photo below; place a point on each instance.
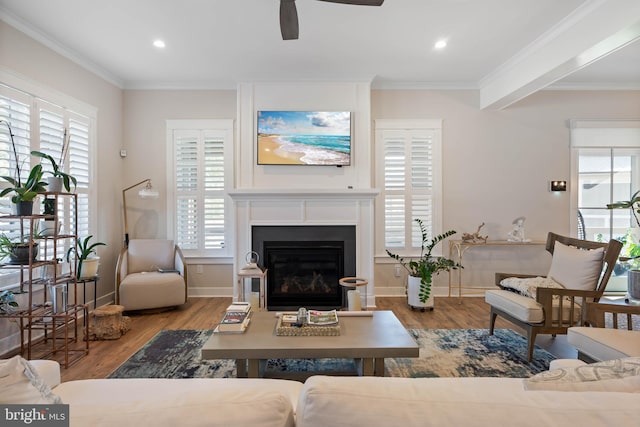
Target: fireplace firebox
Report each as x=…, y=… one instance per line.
x=305, y=264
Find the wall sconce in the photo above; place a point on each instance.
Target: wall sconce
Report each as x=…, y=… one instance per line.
x=558, y=186
x=146, y=192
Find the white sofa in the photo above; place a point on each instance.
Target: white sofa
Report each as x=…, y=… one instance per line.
x=596, y=344
x=341, y=401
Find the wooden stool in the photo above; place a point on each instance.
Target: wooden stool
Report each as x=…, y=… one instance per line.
x=108, y=323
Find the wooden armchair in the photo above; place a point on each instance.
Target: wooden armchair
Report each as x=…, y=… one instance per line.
x=553, y=310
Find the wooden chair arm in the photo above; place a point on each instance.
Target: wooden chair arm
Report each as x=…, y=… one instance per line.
x=565, y=297
x=501, y=276
x=596, y=313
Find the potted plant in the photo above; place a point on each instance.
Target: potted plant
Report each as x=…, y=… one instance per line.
x=25, y=191
x=633, y=253
x=88, y=261
x=17, y=252
x=49, y=226
x=58, y=178
x=7, y=301
x=422, y=269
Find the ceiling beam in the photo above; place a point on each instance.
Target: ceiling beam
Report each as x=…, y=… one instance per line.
x=592, y=32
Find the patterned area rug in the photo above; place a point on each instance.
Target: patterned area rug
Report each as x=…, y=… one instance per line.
x=443, y=353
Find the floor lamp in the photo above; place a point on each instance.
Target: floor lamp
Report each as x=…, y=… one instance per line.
x=146, y=192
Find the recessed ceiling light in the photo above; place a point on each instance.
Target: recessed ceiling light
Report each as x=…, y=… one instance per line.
x=159, y=44
x=440, y=44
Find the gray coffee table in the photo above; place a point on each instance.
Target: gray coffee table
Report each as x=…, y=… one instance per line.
x=366, y=339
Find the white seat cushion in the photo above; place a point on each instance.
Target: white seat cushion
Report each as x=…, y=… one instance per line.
x=604, y=343
x=524, y=308
x=521, y=307
x=144, y=290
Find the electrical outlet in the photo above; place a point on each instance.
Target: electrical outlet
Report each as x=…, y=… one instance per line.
x=199, y=269
x=397, y=272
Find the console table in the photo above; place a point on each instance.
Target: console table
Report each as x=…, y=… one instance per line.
x=459, y=247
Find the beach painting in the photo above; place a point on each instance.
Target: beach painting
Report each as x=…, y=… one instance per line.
x=304, y=138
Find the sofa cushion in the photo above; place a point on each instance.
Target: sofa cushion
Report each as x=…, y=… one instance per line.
x=604, y=343
x=622, y=375
x=370, y=401
x=180, y=402
x=576, y=268
x=20, y=383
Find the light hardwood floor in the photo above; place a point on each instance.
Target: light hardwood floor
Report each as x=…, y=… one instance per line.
x=204, y=313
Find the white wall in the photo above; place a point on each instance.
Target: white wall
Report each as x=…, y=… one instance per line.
x=497, y=165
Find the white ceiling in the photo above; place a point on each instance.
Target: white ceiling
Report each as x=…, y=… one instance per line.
x=218, y=43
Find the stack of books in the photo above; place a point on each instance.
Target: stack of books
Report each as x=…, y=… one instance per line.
x=235, y=319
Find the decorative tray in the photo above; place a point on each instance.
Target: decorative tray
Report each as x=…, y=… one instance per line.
x=286, y=329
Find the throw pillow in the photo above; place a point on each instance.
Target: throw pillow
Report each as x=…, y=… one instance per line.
x=576, y=268
x=619, y=375
x=20, y=383
x=528, y=286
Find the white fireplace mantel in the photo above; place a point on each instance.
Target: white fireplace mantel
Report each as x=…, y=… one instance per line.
x=270, y=194
x=308, y=207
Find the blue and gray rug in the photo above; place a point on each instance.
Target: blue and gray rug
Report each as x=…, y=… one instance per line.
x=443, y=353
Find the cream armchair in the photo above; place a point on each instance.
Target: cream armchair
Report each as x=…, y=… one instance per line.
x=151, y=273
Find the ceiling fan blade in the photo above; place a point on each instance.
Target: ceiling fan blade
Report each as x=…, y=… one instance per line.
x=288, y=20
x=358, y=2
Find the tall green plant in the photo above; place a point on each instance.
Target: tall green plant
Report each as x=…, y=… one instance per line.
x=426, y=266
x=634, y=206
x=67, y=179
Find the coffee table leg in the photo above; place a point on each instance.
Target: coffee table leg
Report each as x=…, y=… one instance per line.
x=241, y=368
x=379, y=367
x=367, y=366
x=254, y=368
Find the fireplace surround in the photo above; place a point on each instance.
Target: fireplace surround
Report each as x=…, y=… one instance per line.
x=262, y=207
x=304, y=264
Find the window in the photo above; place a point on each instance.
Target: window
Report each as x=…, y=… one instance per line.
x=41, y=125
x=200, y=157
x=607, y=169
x=408, y=173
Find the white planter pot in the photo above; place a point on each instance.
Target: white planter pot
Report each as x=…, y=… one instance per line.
x=49, y=227
x=413, y=290
x=633, y=284
x=54, y=184
x=89, y=267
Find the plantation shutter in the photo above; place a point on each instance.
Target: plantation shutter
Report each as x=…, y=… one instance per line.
x=56, y=124
x=40, y=125
x=200, y=189
x=407, y=168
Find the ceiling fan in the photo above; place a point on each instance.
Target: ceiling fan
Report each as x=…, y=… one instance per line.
x=289, y=15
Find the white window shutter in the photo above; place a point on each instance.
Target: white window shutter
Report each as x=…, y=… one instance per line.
x=200, y=160
x=408, y=158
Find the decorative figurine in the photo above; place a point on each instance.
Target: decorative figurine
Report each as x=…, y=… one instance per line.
x=517, y=233
x=475, y=237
